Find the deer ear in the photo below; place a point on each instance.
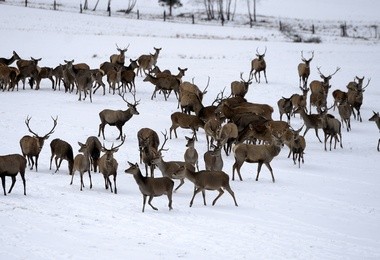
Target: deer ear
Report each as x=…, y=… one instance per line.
x=115, y=150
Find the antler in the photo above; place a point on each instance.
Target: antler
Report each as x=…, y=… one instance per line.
x=163, y=144
x=257, y=51
x=134, y=98
x=369, y=80
x=337, y=69
x=27, y=124
x=52, y=130
x=122, y=50
x=208, y=82
x=122, y=142
x=319, y=71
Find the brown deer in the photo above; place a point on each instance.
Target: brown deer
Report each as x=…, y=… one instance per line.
x=319, y=90
x=227, y=135
x=82, y=164
x=28, y=69
x=61, y=150
x=261, y=154
x=94, y=148
x=117, y=117
x=108, y=165
x=169, y=168
x=355, y=99
x=376, y=118
x=304, y=69
x=207, y=180
x=148, y=146
x=285, y=106
x=11, y=165
x=213, y=158
x=31, y=146
x=9, y=61
x=300, y=100
x=258, y=64
x=185, y=121
x=310, y=120
x=240, y=88
x=331, y=128
x=151, y=187
x=147, y=62
x=166, y=84
x=345, y=112
x=119, y=58
x=191, y=154
x=339, y=97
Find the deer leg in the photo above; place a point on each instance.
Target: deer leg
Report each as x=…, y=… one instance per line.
x=144, y=202
x=204, y=197
x=3, y=183
x=228, y=188
x=271, y=171
x=120, y=127
x=260, y=163
x=170, y=201
x=237, y=165
x=72, y=177
x=89, y=175
x=378, y=145
x=51, y=159
x=114, y=183
x=150, y=202
x=195, y=193
x=109, y=183
x=217, y=197
x=180, y=184
x=13, y=183
x=316, y=133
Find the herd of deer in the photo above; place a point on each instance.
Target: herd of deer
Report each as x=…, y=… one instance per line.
x=231, y=123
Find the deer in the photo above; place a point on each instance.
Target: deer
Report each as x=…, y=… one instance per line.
x=339, y=97
x=168, y=168
x=258, y=64
x=345, y=112
x=285, y=106
x=147, y=62
x=166, y=84
x=9, y=61
x=191, y=154
x=151, y=187
x=304, y=69
x=212, y=128
x=117, y=117
x=319, y=90
x=310, y=121
x=355, y=99
x=85, y=80
x=213, y=158
x=108, y=165
x=128, y=76
x=82, y=164
x=94, y=148
x=113, y=78
x=376, y=118
x=227, y=135
x=44, y=73
x=207, y=180
x=190, y=97
x=31, y=146
x=28, y=69
x=119, y=59
x=8, y=77
x=240, y=88
x=185, y=121
x=300, y=100
x=353, y=85
x=261, y=154
x=11, y=165
x=331, y=128
x=61, y=150
x=148, y=141
x=57, y=74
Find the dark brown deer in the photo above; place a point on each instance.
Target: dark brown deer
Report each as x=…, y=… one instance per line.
x=147, y=62
x=61, y=150
x=355, y=99
x=9, y=61
x=148, y=146
x=82, y=164
x=240, y=88
x=258, y=65
x=117, y=117
x=94, y=148
x=31, y=146
x=11, y=165
x=304, y=69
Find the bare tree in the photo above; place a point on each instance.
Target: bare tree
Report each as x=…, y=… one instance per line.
x=251, y=15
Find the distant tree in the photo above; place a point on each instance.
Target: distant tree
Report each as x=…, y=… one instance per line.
x=171, y=4
x=251, y=15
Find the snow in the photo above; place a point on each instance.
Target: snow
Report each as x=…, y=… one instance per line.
x=327, y=209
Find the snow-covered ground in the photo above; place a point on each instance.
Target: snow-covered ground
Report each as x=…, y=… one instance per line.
x=327, y=209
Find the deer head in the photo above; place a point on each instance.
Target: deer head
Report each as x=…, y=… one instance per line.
x=41, y=139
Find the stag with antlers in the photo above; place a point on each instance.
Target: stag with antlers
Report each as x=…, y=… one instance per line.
x=31, y=146
x=304, y=69
x=258, y=64
x=119, y=59
x=118, y=117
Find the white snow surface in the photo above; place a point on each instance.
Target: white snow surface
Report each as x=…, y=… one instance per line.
x=329, y=208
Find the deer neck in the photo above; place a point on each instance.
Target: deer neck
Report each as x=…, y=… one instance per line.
x=139, y=178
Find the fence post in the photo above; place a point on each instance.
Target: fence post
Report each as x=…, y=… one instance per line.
x=26, y=3
x=164, y=16
x=138, y=14
x=313, y=29
x=80, y=8
x=192, y=19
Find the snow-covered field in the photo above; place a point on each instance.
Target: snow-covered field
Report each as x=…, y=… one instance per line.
x=327, y=209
